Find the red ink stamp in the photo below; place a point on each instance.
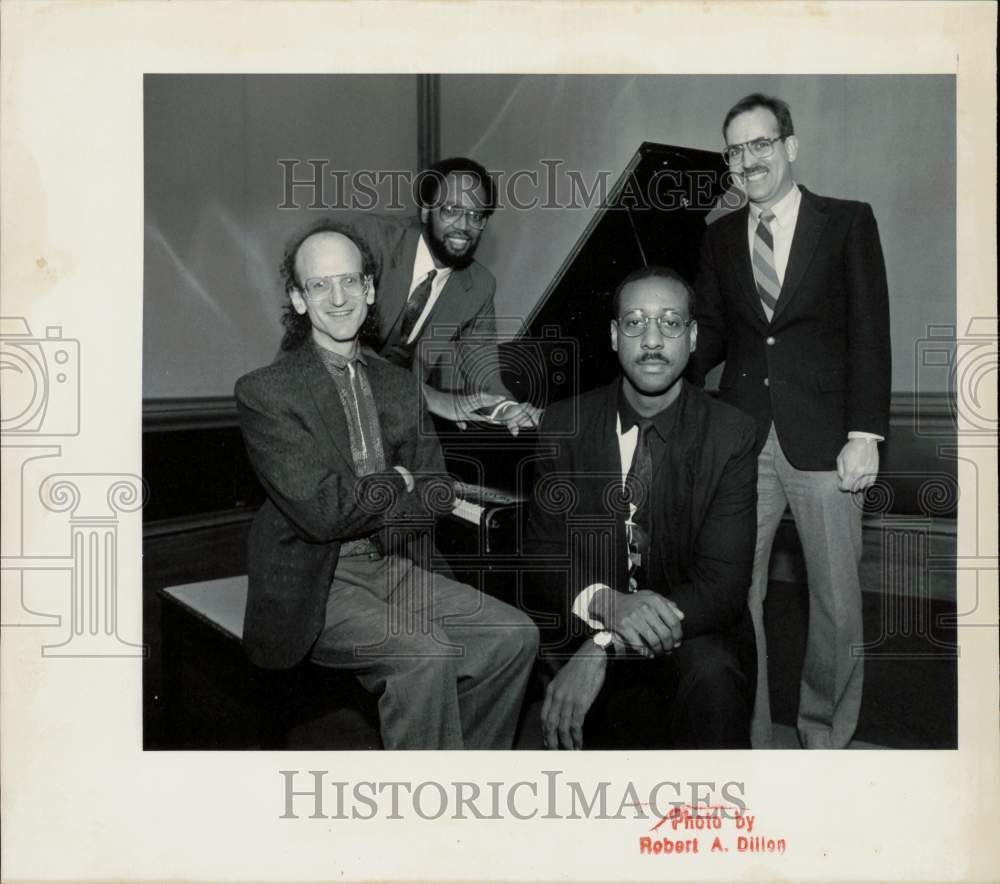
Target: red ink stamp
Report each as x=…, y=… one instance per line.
x=690, y=829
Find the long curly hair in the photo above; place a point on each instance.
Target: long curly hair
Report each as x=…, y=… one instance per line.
x=298, y=327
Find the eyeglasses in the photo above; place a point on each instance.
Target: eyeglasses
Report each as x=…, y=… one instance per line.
x=671, y=325
x=450, y=214
x=353, y=285
x=759, y=147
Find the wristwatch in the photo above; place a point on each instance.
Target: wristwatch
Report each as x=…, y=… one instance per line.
x=605, y=641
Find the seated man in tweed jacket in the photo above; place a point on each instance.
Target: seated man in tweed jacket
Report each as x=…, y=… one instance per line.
x=335, y=435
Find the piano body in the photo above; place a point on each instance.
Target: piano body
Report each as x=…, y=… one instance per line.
x=655, y=214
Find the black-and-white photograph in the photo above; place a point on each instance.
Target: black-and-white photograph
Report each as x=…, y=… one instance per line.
x=551, y=411
x=608, y=388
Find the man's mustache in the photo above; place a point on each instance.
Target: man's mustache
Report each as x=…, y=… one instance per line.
x=653, y=357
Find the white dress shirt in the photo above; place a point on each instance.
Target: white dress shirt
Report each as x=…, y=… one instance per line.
x=422, y=265
x=626, y=450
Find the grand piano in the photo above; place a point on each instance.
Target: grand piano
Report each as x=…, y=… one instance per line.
x=656, y=213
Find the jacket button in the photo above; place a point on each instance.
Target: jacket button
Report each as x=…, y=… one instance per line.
x=770, y=342
x=767, y=383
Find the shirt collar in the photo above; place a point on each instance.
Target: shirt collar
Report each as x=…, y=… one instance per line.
x=337, y=362
x=785, y=210
x=423, y=263
x=628, y=417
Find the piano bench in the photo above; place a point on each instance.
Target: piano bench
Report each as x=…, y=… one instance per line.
x=216, y=699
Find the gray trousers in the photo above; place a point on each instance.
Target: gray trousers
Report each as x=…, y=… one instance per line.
x=448, y=663
x=828, y=522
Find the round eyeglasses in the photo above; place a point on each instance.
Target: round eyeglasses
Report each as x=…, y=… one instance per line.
x=759, y=147
x=671, y=325
x=352, y=285
x=450, y=214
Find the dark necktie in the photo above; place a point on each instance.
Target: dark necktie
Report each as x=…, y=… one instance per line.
x=415, y=306
x=768, y=284
x=640, y=485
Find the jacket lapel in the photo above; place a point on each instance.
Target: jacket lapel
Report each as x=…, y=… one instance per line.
x=808, y=229
x=738, y=246
x=394, y=286
x=451, y=305
x=325, y=398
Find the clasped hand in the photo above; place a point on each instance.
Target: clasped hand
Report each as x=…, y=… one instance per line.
x=647, y=622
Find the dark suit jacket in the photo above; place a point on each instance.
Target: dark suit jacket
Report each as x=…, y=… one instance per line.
x=296, y=435
x=702, y=554
x=822, y=367
x=462, y=322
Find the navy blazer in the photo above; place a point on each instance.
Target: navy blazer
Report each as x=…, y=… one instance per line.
x=823, y=365
x=297, y=438
x=706, y=522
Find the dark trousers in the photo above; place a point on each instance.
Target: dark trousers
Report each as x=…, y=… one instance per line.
x=698, y=697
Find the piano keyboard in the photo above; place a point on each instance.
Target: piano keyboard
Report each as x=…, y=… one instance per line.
x=472, y=501
x=468, y=511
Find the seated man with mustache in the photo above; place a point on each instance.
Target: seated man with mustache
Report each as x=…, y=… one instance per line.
x=640, y=544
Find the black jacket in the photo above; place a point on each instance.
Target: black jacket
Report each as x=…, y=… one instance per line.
x=822, y=367
x=701, y=555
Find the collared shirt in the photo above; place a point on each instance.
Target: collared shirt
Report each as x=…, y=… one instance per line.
x=422, y=265
x=786, y=213
x=627, y=431
x=351, y=379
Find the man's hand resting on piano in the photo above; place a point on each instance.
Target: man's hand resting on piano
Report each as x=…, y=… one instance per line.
x=646, y=621
x=484, y=408
x=519, y=415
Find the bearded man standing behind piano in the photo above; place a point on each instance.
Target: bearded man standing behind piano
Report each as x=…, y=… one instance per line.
x=436, y=314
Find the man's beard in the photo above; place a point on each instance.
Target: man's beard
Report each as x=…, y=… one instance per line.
x=441, y=255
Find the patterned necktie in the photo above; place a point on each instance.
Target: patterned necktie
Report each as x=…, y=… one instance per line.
x=640, y=485
x=768, y=284
x=415, y=306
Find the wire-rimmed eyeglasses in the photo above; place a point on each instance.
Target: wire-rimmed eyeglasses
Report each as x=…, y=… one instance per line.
x=319, y=288
x=450, y=214
x=671, y=325
x=758, y=147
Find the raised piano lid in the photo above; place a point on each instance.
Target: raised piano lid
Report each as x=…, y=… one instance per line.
x=655, y=214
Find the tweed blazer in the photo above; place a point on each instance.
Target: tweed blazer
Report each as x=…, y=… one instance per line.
x=297, y=439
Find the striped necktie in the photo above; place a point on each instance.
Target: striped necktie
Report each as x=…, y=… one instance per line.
x=415, y=305
x=768, y=284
